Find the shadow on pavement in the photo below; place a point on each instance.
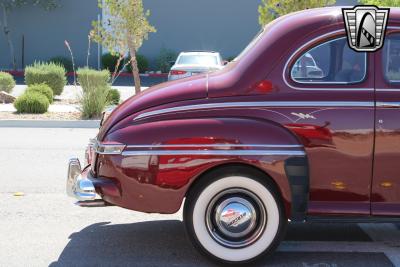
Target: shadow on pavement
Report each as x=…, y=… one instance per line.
x=163, y=243
x=153, y=243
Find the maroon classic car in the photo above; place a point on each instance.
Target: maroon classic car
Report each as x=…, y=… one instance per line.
x=299, y=128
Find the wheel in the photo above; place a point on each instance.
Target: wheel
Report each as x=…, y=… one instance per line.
x=234, y=215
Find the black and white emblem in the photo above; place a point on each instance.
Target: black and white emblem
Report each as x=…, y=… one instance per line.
x=365, y=26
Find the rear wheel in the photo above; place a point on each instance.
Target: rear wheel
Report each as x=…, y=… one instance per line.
x=234, y=215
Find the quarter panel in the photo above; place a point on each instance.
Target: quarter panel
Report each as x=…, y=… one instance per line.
x=158, y=182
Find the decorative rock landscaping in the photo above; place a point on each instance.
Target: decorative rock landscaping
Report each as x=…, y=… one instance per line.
x=6, y=98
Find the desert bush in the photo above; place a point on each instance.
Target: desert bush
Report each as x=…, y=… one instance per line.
x=63, y=61
x=95, y=89
x=32, y=102
x=43, y=89
x=143, y=64
x=7, y=82
x=51, y=74
x=164, y=59
x=109, y=62
x=113, y=97
x=93, y=78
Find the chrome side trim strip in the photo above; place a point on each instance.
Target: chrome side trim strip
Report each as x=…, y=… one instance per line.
x=388, y=104
x=215, y=153
x=257, y=104
x=388, y=90
x=106, y=149
x=214, y=145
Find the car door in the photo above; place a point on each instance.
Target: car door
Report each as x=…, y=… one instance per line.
x=336, y=123
x=386, y=177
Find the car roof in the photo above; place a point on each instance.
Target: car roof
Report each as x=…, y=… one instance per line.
x=300, y=27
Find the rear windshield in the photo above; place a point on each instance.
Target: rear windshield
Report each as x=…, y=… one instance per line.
x=198, y=60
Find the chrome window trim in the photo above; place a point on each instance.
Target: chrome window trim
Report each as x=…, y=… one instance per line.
x=332, y=82
x=214, y=145
x=283, y=104
x=285, y=68
x=215, y=153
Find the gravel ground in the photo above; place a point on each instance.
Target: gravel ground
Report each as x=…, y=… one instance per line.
x=45, y=116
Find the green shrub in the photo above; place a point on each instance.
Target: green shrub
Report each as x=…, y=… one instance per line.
x=63, y=61
x=7, y=82
x=95, y=89
x=51, y=74
x=93, y=78
x=164, y=59
x=113, y=97
x=143, y=64
x=31, y=102
x=109, y=62
x=43, y=89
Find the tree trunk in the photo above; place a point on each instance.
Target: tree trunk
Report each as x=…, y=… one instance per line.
x=135, y=70
x=6, y=31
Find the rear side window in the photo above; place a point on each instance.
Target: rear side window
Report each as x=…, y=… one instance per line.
x=391, y=58
x=331, y=62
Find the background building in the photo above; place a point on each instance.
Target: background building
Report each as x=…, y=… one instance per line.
x=224, y=25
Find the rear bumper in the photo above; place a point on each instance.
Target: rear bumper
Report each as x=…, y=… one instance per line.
x=86, y=189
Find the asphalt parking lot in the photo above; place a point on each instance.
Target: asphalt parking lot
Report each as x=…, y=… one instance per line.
x=44, y=228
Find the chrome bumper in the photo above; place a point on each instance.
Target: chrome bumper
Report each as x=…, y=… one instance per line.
x=81, y=188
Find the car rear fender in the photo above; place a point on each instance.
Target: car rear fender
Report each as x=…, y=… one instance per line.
x=182, y=150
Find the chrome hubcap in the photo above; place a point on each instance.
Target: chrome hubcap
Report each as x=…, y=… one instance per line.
x=235, y=218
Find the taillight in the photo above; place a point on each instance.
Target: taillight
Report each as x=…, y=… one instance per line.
x=177, y=72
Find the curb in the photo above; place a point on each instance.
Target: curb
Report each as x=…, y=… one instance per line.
x=89, y=124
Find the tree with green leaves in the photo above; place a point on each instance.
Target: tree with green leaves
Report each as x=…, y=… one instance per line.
x=7, y=6
x=126, y=28
x=272, y=9
x=390, y=3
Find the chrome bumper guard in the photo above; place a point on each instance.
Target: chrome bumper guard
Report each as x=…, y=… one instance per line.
x=81, y=188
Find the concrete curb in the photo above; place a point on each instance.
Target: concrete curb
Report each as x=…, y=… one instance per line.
x=49, y=124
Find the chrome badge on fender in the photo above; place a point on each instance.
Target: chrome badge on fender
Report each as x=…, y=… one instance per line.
x=365, y=27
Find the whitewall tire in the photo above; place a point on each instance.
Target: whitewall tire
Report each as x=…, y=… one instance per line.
x=234, y=215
